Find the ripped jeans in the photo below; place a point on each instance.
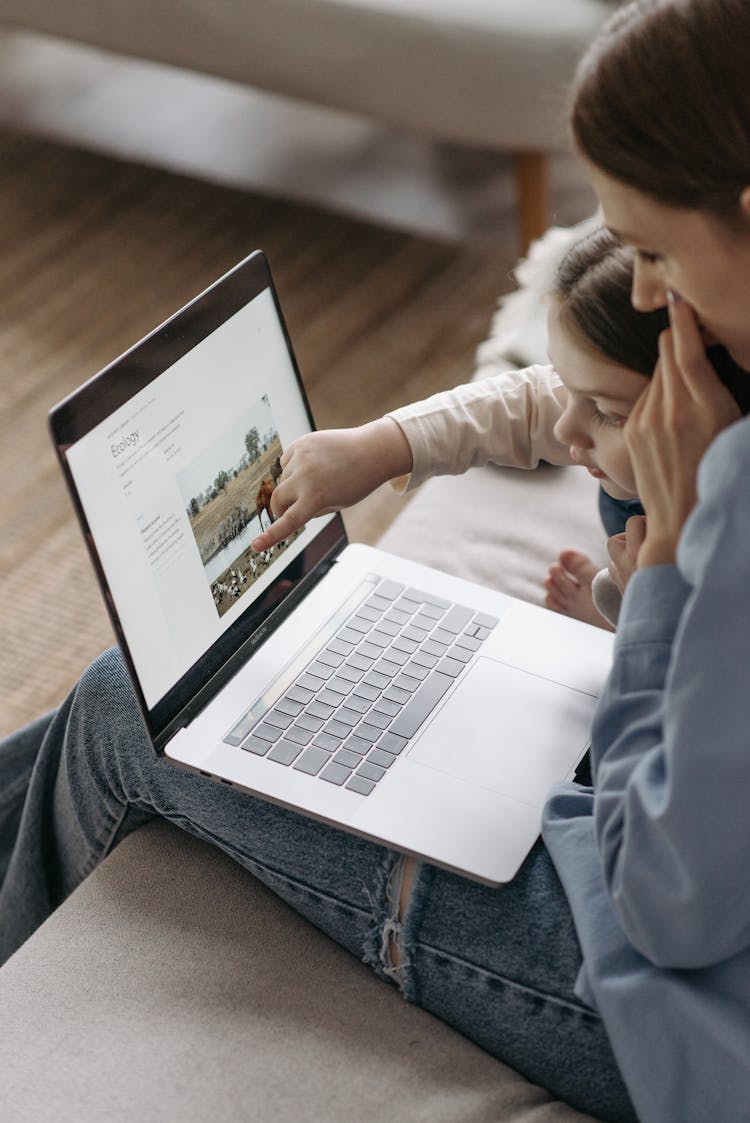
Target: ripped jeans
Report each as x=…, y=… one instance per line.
x=498, y=965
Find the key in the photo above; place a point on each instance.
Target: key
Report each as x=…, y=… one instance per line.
x=421, y=704
x=267, y=732
x=485, y=621
x=312, y=760
x=364, y=690
x=378, y=720
x=396, y=694
x=392, y=743
x=383, y=760
x=335, y=773
x=371, y=771
x=347, y=758
x=379, y=603
x=308, y=721
x=326, y=741
x=368, y=612
x=356, y=745
x=350, y=674
x=389, y=590
x=426, y=598
x=456, y=620
x=345, y=716
x=450, y=667
x=285, y=752
x=469, y=643
x=301, y=736
x=360, y=784
x=320, y=709
x=327, y=697
x=255, y=745
x=320, y=670
x=359, y=705
x=289, y=705
x=279, y=719
x=432, y=612
x=299, y=694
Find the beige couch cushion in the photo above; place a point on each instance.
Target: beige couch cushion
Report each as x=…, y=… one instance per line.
x=172, y=986
x=487, y=72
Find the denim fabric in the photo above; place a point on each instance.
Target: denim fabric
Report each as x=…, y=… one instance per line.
x=615, y=513
x=498, y=965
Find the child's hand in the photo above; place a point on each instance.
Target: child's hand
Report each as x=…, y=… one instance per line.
x=331, y=469
x=672, y=424
x=623, y=551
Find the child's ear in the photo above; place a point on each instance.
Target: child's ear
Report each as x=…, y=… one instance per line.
x=745, y=201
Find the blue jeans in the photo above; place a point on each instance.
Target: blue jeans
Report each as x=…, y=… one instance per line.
x=498, y=965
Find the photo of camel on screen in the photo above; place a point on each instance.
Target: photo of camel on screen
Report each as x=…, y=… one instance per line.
x=227, y=493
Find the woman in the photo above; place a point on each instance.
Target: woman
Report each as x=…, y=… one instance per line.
x=651, y=867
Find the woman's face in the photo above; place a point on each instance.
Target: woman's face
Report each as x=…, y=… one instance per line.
x=601, y=394
x=705, y=261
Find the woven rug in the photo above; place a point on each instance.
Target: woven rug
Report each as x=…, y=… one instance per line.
x=95, y=253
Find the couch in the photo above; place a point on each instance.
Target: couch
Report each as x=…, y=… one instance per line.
x=488, y=73
x=172, y=986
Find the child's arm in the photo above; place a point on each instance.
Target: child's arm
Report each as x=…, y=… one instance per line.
x=331, y=469
x=507, y=419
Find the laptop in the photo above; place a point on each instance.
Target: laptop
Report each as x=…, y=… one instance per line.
x=404, y=704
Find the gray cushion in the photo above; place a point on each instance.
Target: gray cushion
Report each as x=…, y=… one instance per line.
x=501, y=527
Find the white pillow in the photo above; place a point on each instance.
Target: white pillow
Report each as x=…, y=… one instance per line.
x=518, y=335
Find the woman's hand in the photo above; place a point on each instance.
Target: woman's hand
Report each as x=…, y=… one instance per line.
x=331, y=469
x=623, y=550
x=672, y=424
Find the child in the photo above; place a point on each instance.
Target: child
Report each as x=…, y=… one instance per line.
x=601, y=350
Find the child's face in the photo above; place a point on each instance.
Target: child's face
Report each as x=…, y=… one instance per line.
x=601, y=394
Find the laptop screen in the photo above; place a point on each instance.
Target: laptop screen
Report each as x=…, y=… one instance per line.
x=173, y=477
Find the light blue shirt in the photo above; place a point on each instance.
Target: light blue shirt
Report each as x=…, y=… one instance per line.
x=656, y=859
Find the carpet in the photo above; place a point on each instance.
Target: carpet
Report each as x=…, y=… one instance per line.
x=95, y=253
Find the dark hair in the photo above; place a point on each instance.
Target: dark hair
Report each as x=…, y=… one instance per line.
x=593, y=286
x=661, y=102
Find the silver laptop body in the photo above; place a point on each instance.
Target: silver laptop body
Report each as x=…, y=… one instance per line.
x=409, y=706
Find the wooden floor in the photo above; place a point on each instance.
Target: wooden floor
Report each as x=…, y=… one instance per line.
x=94, y=253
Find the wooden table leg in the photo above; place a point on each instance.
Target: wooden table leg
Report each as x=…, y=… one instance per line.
x=532, y=194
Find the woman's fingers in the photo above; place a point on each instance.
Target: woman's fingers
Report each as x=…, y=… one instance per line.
x=687, y=350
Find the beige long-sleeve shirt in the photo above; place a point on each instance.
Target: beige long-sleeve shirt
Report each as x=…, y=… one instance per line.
x=507, y=419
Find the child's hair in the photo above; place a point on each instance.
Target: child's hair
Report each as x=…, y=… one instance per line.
x=592, y=289
x=661, y=102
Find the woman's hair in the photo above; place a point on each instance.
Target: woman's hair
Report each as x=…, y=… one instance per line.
x=661, y=102
x=592, y=289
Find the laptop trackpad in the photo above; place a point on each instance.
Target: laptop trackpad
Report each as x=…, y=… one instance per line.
x=508, y=730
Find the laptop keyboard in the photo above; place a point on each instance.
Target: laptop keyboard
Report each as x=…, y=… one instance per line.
x=348, y=713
